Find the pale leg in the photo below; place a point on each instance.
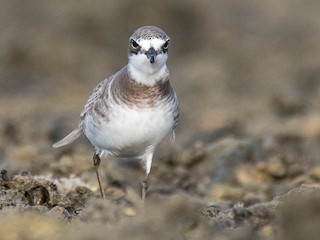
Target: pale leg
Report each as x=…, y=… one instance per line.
x=145, y=184
x=96, y=163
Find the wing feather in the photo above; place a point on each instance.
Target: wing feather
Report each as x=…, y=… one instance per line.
x=94, y=97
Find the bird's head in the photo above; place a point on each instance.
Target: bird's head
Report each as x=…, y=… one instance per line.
x=148, y=50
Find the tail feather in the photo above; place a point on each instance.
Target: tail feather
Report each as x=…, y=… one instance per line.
x=68, y=139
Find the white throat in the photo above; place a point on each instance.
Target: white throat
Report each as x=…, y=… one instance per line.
x=142, y=71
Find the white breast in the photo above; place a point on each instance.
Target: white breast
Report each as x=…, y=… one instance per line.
x=130, y=132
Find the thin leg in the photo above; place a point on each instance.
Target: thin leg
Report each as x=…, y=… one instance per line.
x=96, y=163
x=145, y=184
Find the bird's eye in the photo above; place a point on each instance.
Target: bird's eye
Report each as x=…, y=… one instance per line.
x=134, y=44
x=165, y=46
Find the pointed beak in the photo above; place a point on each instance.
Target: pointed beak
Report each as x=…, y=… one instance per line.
x=151, y=55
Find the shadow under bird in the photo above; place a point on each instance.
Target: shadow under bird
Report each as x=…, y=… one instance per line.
x=130, y=113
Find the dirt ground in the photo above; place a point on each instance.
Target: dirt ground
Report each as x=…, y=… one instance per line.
x=245, y=164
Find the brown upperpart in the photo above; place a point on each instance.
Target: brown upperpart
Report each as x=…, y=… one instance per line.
x=125, y=90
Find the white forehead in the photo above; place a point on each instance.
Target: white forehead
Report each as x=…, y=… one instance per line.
x=156, y=43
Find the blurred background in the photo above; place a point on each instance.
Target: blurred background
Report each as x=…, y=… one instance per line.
x=247, y=74
x=253, y=64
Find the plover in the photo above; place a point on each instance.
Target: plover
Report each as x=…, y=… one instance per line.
x=130, y=113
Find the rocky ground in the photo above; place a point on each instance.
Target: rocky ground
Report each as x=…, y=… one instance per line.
x=245, y=164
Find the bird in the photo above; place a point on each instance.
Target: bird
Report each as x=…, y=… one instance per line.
x=131, y=112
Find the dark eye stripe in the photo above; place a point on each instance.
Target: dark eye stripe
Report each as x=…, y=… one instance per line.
x=134, y=44
x=134, y=47
x=166, y=44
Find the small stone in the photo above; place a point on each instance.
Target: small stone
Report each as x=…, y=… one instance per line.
x=315, y=173
x=276, y=167
x=211, y=211
x=250, y=175
x=4, y=175
x=266, y=232
x=58, y=212
x=226, y=192
x=84, y=191
x=129, y=212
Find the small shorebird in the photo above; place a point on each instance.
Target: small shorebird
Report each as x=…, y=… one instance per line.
x=130, y=113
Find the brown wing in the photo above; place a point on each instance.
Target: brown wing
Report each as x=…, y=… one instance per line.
x=95, y=96
x=93, y=99
x=176, y=111
x=176, y=115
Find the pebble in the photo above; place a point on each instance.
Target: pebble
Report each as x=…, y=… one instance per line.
x=250, y=175
x=129, y=212
x=276, y=167
x=58, y=212
x=226, y=192
x=315, y=173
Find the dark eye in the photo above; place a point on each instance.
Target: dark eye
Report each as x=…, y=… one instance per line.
x=134, y=44
x=165, y=46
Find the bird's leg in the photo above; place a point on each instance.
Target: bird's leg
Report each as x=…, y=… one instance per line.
x=145, y=184
x=96, y=163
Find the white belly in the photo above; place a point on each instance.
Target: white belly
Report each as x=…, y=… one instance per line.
x=130, y=132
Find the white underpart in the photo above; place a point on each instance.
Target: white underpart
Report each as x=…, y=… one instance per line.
x=140, y=67
x=131, y=132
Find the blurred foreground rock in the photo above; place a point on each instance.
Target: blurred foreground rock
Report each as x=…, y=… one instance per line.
x=34, y=208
